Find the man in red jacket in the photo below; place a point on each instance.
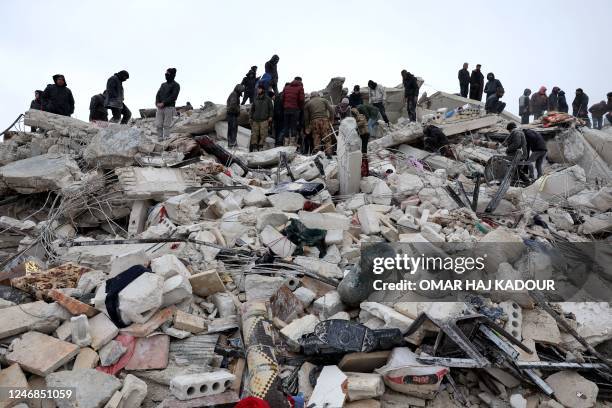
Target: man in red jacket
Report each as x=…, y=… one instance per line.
x=293, y=103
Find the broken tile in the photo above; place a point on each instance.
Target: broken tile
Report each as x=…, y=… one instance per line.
x=40, y=354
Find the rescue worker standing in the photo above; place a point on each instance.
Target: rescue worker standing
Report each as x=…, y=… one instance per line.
x=114, y=98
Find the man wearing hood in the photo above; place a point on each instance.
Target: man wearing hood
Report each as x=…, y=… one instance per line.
x=516, y=141
x=249, y=81
x=539, y=103
x=37, y=103
x=377, y=97
x=272, y=69
x=411, y=93
x=580, y=106
x=57, y=97
x=114, y=98
x=553, y=99
x=562, y=102
x=492, y=85
x=233, y=111
x=476, y=84
x=597, y=112
x=464, y=80
x=434, y=139
x=293, y=103
x=494, y=104
x=97, y=110
x=355, y=98
x=165, y=100
x=524, y=111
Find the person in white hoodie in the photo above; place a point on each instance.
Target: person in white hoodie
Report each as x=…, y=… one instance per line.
x=377, y=98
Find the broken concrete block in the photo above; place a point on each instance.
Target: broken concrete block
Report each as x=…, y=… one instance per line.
x=349, y=157
x=305, y=295
x=191, y=386
x=139, y=300
x=150, y=353
x=340, y=316
x=517, y=401
x=327, y=221
x=168, y=266
x=133, y=393
x=145, y=329
x=573, y=390
x=111, y=353
x=188, y=322
x=277, y=242
x=80, y=331
x=287, y=201
x=514, y=324
x=328, y=304
x=102, y=330
x=123, y=261
x=176, y=289
x=297, y=328
x=392, y=318
x=114, y=401
x=560, y=218
x=272, y=217
x=370, y=223
x=40, y=354
x=319, y=266
x=206, y=283
x=116, y=146
x=87, y=358
x=261, y=287
x=597, y=223
x=138, y=217
x=304, y=385
x=267, y=157
x=72, y=305
x=541, y=327
x=64, y=332
x=382, y=194
x=11, y=378
x=256, y=198
x=363, y=386
x=334, y=237
x=47, y=172
x=144, y=183
x=330, y=390
x=93, y=388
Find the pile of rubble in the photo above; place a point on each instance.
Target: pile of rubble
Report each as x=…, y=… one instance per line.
x=183, y=274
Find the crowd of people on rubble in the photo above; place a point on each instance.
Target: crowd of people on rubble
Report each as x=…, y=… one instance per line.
x=473, y=85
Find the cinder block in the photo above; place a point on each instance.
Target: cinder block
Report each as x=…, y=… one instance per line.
x=190, y=386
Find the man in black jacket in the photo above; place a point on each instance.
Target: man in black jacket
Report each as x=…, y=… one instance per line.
x=476, y=84
x=537, y=147
x=580, y=106
x=248, y=82
x=411, y=93
x=464, y=80
x=114, y=98
x=37, y=103
x=165, y=100
x=492, y=85
x=272, y=69
x=233, y=111
x=355, y=98
x=434, y=139
x=494, y=104
x=97, y=110
x=57, y=97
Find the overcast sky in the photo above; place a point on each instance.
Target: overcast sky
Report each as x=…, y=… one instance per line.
x=212, y=44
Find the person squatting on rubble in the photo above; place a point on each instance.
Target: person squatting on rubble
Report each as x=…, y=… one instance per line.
x=597, y=113
x=371, y=112
x=476, y=84
x=516, y=142
x=434, y=139
x=464, y=80
x=271, y=68
x=492, y=85
x=377, y=97
x=355, y=98
x=249, y=81
x=580, y=106
x=293, y=103
x=539, y=103
x=318, y=117
x=114, y=97
x=494, y=104
x=97, y=110
x=536, y=149
x=165, y=100
x=233, y=111
x=524, y=110
x=411, y=94
x=57, y=97
x=261, y=114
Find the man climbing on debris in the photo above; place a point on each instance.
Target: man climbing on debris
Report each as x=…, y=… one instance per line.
x=539, y=103
x=293, y=103
x=261, y=114
x=355, y=98
x=114, y=97
x=233, y=111
x=249, y=81
x=371, y=112
x=377, y=97
x=97, y=110
x=494, y=104
x=517, y=142
x=580, y=106
x=492, y=85
x=524, y=110
x=597, y=113
x=272, y=69
x=464, y=80
x=362, y=129
x=342, y=110
x=476, y=84
x=536, y=148
x=165, y=100
x=411, y=93
x=434, y=139
x=553, y=99
x=57, y=97
x=318, y=116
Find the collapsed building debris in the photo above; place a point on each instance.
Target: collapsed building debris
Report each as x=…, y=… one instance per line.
x=187, y=273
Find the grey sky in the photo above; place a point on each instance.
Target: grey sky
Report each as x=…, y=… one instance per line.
x=213, y=43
